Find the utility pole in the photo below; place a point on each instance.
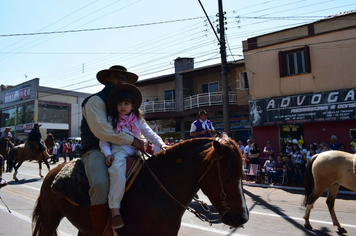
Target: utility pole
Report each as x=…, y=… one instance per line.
x=225, y=90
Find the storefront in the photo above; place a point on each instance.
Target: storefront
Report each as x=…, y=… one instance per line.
x=23, y=105
x=313, y=117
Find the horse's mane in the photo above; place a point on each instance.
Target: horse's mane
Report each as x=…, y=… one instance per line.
x=231, y=157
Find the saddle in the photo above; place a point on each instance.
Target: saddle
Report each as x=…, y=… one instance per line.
x=33, y=145
x=72, y=182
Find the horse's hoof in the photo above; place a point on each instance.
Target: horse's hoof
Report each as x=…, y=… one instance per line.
x=308, y=227
x=342, y=231
x=41, y=176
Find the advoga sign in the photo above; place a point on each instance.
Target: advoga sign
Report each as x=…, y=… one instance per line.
x=304, y=108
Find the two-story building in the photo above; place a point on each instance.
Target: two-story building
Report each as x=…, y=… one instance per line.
x=58, y=111
x=172, y=102
x=302, y=82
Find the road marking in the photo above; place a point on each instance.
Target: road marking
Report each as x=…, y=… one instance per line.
x=211, y=230
x=27, y=219
x=301, y=219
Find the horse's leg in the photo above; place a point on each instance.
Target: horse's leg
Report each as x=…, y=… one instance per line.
x=16, y=167
x=330, y=201
x=318, y=190
x=40, y=168
x=47, y=164
x=306, y=216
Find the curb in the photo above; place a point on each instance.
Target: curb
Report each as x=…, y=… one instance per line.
x=293, y=188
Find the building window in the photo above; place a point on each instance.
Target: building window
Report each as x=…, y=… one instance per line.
x=243, y=80
x=209, y=87
x=294, y=62
x=169, y=94
x=25, y=114
x=8, y=117
x=51, y=113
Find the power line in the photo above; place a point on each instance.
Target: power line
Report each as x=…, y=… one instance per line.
x=98, y=29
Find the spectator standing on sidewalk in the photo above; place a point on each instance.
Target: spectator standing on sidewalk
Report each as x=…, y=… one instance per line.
x=254, y=154
x=268, y=150
x=65, y=150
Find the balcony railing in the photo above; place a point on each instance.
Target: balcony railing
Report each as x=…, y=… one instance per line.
x=208, y=99
x=158, y=106
x=199, y=100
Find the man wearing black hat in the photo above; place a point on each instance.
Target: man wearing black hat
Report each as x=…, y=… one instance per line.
x=35, y=136
x=202, y=127
x=95, y=126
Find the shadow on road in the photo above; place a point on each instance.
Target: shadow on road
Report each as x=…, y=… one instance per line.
x=23, y=181
x=296, y=225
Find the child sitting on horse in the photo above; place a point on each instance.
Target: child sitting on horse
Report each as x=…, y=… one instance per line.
x=124, y=115
x=35, y=136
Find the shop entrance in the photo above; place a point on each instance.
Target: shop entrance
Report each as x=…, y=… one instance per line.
x=289, y=132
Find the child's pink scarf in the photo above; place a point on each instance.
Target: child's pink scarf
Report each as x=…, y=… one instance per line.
x=128, y=122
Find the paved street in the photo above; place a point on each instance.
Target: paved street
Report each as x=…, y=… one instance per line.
x=273, y=211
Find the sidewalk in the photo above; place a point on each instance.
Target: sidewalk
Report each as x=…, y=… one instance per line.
x=290, y=187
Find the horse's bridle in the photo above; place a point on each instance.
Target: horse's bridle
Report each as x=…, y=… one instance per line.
x=203, y=205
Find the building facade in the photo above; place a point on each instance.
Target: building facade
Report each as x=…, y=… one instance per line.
x=172, y=102
x=302, y=82
x=58, y=111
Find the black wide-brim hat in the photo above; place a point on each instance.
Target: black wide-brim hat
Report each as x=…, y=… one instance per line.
x=127, y=87
x=37, y=125
x=103, y=74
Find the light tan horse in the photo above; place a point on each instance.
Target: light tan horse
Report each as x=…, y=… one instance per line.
x=328, y=170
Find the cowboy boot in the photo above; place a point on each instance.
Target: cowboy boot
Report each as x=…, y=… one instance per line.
x=45, y=153
x=100, y=218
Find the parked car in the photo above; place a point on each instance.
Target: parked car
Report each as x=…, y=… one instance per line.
x=76, y=139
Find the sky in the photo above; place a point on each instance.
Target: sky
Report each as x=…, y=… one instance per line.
x=65, y=43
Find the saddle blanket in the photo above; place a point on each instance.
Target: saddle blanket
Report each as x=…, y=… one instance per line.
x=72, y=182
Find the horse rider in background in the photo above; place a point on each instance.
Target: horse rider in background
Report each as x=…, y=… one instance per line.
x=202, y=127
x=35, y=136
x=7, y=135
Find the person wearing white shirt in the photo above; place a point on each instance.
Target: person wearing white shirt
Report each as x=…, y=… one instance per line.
x=202, y=127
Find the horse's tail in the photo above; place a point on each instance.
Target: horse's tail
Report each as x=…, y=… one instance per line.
x=309, y=180
x=36, y=218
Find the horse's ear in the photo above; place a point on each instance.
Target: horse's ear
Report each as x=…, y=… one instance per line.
x=217, y=146
x=224, y=135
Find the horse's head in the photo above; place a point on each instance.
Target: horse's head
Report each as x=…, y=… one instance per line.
x=221, y=181
x=49, y=141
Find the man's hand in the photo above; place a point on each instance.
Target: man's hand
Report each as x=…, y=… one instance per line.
x=211, y=132
x=164, y=146
x=139, y=144
x=109, y=160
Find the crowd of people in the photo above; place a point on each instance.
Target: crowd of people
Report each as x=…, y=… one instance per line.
x=291, y=161
x=64, y=148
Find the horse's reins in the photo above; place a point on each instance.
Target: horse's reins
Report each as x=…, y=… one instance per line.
x=203, y=205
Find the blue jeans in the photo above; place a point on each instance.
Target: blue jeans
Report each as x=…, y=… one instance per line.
x=298, y=171
x=275, y=175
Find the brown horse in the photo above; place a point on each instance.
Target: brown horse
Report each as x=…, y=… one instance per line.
x=328, y=170
x=29, y=151
x=166, y=185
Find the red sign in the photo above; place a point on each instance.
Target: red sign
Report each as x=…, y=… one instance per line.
x=20, y=94
x=25, y=126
